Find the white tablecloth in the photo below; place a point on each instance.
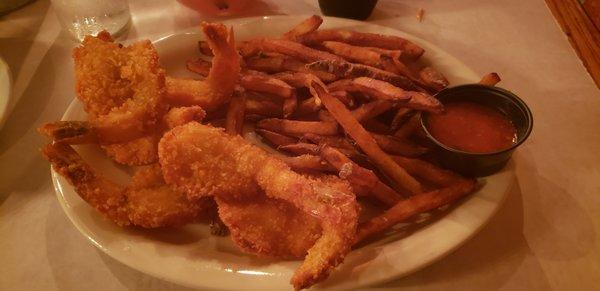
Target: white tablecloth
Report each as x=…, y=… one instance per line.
x=546, y=236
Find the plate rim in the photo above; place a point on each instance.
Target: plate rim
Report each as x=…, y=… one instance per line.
x=385, y=275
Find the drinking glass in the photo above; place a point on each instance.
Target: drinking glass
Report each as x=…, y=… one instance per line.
x=83, y=17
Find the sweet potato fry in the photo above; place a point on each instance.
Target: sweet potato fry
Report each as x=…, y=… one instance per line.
x=325, y=116
x=373, y=88
x=286, y=47
x=338, y=142
x=367, y=143
x=346, y=70
x=490, y=79
x=308, y=162
x=409, y=127
x=301, y=148
x=363, y=181
x=299, y=79
x=398, y=146
x=289, y=106
x=275, y=138
x=364, y=39
x=371, y=109
x=264, y=83
x=400, y=117
x=385, y=91
x=412, y=206
x=199, y=66
x=387, y=60
x=308, y=106
x=427, y=171
x=278, y=64
x=262, y=107
x=298, y=127
x=344, y=97
x=234, y=120
x=374, y=125
x=356, y=54
x=307, y=26
x=433, y=79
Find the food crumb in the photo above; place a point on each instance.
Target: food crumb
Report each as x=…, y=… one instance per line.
x=420, y=14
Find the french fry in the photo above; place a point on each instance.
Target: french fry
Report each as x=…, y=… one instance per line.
x=409, y=127
x=387, y=60
x=346, y=70
x=373, y=88
x=299, y=79
x=325, y=116
x=199, y=66
x=275, y=138
x=308, y=162
x=400, y=117
x=427, y=171
x=289, y=106
x=412, y=206
x=298, y=127
x=367, y=143
x=261, y=82
x=381, y=90
x=374, y=125
x=355, y=54
x=364, y=39
x=308, y=106
x=301, y=148
x=334, y=141
x=286, y=47
x=307, y=26
x=490, y=79
x=276, y=64
x=398, y=146
x=433, y=79
x=371, y=109
x=234, y=120
x=262, y=107
x=363, y=181
x=344, y=97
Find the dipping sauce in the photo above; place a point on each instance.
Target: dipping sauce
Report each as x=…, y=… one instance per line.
x=472, y=127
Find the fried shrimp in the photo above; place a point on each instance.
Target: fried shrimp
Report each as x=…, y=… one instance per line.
x=147, y=202
x=204, y=161
x=139, y=151
x=122, y=88
x=269, y=227
x=218, y=86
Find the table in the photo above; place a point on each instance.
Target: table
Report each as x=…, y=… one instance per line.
x=546, y=236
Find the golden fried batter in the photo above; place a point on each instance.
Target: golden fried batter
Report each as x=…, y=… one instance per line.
x=148, y=202
x=204, y=161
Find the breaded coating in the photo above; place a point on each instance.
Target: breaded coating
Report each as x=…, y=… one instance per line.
x=148, y=202
x=218, y=86
x=204, y=161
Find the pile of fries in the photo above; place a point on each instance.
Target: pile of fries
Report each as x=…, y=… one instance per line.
x=346, y=103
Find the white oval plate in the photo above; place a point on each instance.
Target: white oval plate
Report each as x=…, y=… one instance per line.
x=192, y=257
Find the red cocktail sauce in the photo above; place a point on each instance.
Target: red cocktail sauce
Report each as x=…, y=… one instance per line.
x=472, y=127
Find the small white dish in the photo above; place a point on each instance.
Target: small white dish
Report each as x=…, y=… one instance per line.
x=190, y=256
